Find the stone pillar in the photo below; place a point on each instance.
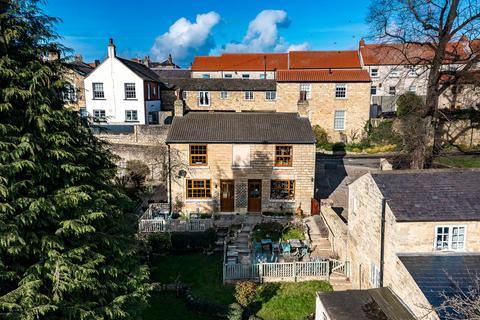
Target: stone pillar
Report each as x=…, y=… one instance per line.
x=178, y=109
x=303, y=109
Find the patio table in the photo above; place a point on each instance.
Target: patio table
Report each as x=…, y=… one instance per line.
x=295, y=243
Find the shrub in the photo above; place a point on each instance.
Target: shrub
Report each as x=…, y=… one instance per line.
x=278, y=213
x=384, y=134
x=235, y=312
x=321, y=135
x=245, y=292
x=159, y=242
x=186, y=241
x=338, y=146
x=137, y=172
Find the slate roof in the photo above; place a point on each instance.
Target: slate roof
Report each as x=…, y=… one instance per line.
x=442, y=273
x=379, y=303
x=323, y=75
x=173, y=73
x=140, y=70
x=80, y=67
x=197, y=84
x=241, y=127
x=431, y=195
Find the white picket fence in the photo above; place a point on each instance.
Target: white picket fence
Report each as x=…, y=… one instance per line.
x=174, y=225
x=277, y=272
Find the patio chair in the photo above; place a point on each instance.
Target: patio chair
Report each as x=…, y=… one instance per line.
x=276, y=247
x=286, y=248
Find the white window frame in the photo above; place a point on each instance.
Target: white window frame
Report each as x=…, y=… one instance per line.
x=374, y=275
x=394, y=73
x=412, y=72
x=99, y=117
x=344, y=119
x=223, y=95
x=184, y=95
x=374, y=74
x=373, y=88
x=131, y=94
x=129, y=116
x=248, y=95
x=450, y=237
x=206, y=94
x=340, y=91
x=70, y=92
x=394, y=90
x=98, y=94
x=269, y=94
x=412, y=88
x=307, y=87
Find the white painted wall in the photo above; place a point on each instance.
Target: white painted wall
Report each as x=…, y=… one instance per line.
x=320, y=312
x=114, y=74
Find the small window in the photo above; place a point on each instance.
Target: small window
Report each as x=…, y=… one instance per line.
x=198, y=155
x=283, y=156
x=373, y=90
x=245, y=76
x=262, y=76
x=271, y=95
x=184, y=95
x=394, y=73
x=98, y=92
x=412, y=88
x=450, y=238
x=248, y=95
x=412, y=72
x=130, y=91
x=155, y=90
x=99, y=115
x=307, y=88
x=339, y=120
x=204, y=98
x=223, y=94
x=198, y=188
x=228, y=76
x=241, y=155
x=69, y=93
x=340, y=91
x=392, y=90
x=206, y=76
x=374, y=72
x=374, y=275
x=282, y=190
x=131, y=115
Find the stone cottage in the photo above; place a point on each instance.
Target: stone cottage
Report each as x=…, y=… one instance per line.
x=242, y=162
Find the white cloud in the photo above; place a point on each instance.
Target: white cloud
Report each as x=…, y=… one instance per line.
x=186, y=39
x=262, y=34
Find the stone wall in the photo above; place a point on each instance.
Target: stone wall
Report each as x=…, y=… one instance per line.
x=261, y=167
x=234, y=102
x=322, y=106
x=148, y=135
x=337, y=230
x=77, y=81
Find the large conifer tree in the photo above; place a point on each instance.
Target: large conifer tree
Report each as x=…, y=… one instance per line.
x=67, y=248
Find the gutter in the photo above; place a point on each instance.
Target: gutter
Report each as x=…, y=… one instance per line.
x=382, y=242
x=169, y=182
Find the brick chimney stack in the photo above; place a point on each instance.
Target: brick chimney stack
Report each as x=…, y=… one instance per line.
x=361, y=44
x=178, y=109
x=111, y=49
x=78, y=58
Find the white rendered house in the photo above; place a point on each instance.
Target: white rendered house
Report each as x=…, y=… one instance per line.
x=122, y=92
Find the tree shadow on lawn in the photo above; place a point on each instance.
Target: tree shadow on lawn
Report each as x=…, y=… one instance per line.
x=264, y=293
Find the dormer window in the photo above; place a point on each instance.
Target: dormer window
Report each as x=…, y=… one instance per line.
x=450, y=238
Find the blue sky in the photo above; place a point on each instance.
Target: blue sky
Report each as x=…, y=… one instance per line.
x=203, y=27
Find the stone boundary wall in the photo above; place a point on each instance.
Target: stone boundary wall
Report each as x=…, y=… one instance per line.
x=149, y=135
x=337, y=229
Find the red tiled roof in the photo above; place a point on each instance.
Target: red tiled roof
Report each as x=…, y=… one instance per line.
x=242, y=61
x=323, y=76
x=345, y=59
x=397, y=54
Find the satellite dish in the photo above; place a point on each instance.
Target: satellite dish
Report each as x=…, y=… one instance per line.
x=182, y=173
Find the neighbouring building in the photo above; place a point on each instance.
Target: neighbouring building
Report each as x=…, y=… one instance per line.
x=406, y=227
x=122, y=92
x=74, y=95
x=239, y=65
x=379, y=303
x=338, y=100
x=399, y=68
x=241, y=162
x=223, y=94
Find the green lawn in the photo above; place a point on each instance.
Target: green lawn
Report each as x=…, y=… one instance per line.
x=279, y=301
x=287, y=301
x=466, y=161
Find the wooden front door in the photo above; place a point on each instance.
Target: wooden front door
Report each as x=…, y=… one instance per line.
x=254, y=195
x=227, y=196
